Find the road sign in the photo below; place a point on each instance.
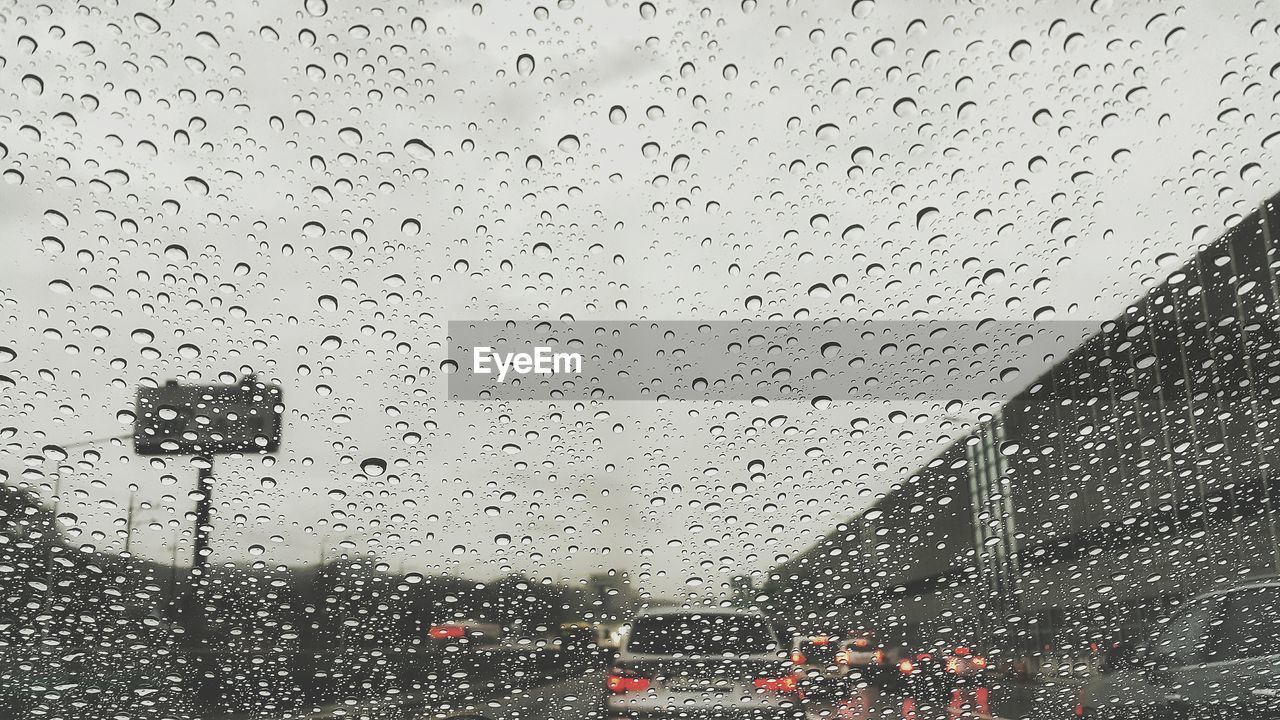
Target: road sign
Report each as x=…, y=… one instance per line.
x=206, y=420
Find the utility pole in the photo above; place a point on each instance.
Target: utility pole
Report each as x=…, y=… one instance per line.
x=199, y=580
x=128, y=521
x=204, y=508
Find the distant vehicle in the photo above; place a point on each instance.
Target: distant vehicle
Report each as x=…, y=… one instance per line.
x=861, y=656
x=465, y=633
x=609, y=636
x=827, y=665
x=680, y=663
x=1218, y=656
x=1119, y=681
x=814, y=663
x=578, y=648
x=950, y=680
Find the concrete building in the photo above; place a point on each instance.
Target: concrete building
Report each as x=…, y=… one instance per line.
x=1138, y=470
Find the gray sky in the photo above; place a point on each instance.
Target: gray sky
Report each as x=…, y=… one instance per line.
x=196, y=189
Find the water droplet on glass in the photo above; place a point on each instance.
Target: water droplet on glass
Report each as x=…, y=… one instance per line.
x=419, y=150
x=146, y=23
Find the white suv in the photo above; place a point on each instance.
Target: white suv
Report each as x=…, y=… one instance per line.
x=701, y=663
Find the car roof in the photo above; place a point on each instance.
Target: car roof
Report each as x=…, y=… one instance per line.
x=1252, y=584
x=747, y=612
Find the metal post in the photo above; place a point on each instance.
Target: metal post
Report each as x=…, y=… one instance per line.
x=203, y=663
x=204, y=505
x=128, y=526
x=200, y=552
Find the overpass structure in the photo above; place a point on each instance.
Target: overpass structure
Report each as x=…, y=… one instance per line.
x=1138, y=470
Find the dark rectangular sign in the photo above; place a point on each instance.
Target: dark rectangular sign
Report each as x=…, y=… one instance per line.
x=208, y=419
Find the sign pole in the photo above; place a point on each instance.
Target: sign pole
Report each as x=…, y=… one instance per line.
x=204, y=505
x=193, y=614
x=203, y=421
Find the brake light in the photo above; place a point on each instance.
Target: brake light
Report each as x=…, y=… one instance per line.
x=844, y=657
x=879, y=657
x=962, y=651
x=861, y=643
x=620, y=682
x=906, y=667
x=953, y=665
x=797, y=657
x=785, y=685
x=820, y=640
x=446, y=632
x=979, y=662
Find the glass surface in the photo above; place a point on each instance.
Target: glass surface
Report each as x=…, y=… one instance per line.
x=388, y=359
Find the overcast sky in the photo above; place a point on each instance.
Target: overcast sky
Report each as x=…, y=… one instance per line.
x=314, y=192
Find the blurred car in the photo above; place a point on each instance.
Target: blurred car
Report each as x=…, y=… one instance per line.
x=609, y=636
x=578, y=647
x=702, y=663
x=816, y=667
x=944, y=681
x=1218, y=656
x=827, y=665
x=862, y=657
x=1119, y=681
x=462, y=635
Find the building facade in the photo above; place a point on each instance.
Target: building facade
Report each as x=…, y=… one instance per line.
x=1138, y=470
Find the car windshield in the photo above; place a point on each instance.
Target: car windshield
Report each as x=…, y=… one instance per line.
x=413, y=358
x=701, y=635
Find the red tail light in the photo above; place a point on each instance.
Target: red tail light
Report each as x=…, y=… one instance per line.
x=844, y=657
x=908, y=708
x=797, y=657
x=820, y=640
x=974, y=704
x=979, y=662
x=982, y=702
x=953, y=665
x=879, y=657
x=861, y=643
x=446, y=632
x=906, y=667
x=620, y=681
x=785, y=685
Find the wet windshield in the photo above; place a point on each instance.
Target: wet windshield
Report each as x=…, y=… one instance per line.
x=407, y=359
